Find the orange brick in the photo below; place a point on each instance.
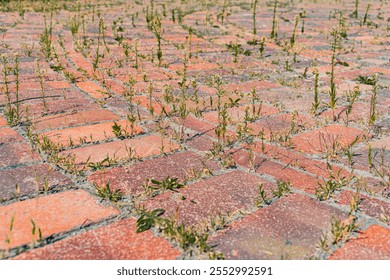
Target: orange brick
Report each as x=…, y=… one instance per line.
x=323, y=139
x=52, y=214
x=93, y=89
x=74, y=118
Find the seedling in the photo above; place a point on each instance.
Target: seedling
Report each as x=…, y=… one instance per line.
x=341, y=230
x=157, y=31
x=292, y=39
x=149, y=219
x=316, y=103
x=329, y=186
x=154, y=187
x=336, y=45
x=274, y=32
x=107, y=193
x=254, y=17
x=373, y=112
x=366, y=14
x=262, y=198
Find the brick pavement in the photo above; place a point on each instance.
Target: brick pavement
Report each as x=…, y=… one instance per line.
x=209, y=143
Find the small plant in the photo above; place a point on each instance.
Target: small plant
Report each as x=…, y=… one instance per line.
x=237, y=49
x=262, y=46
x=354, y=203
x=351, y=98
x=157, y=31
x=283, y=188
x=40, y=74
x=348, y=150
x=341, y=230
x=367, y=80
x=46, y=37
x=254, y=17
x=262, y=198
x=118, y=131
x=149, y=219
x=107, y=193
x=35, y=231
x=335, y=182
x=274, y=32
x=366, y=14
x=355, y=13
x=155, y=186
x=336, y=45
x=292, y=39
x=223, y=12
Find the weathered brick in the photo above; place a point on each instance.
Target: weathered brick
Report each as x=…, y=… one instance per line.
x=287, y=229
x=325, y=138
x=51, y=214
x=123, y=149
x=116, y=241
x=29, y=179
x=91, y=133
x=131, y=178
x=74, y=118
x=371, y=244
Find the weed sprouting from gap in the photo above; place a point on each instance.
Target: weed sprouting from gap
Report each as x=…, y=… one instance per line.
x=187, y=237
x=107, y=193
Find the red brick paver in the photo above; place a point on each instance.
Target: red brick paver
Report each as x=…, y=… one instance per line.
x=372, y=244
x=289, y=229
x=117, y=241
x=51, y=214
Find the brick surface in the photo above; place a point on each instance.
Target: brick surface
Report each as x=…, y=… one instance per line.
x=288, y=229
x=93, y=89
x=16, y=153
x=372, y=244
x=117, y=241
x=120, y=150
x=325, y=138
x=131, y=179
x=203, y=200
x=52, y=214
x=29, y=179
x=3, y=122
x=91, y=133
